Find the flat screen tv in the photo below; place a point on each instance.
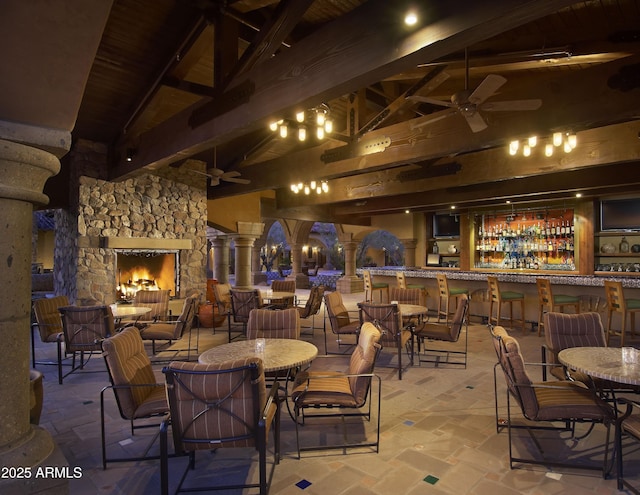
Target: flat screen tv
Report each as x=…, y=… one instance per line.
x=446, y=225
x=620, y=214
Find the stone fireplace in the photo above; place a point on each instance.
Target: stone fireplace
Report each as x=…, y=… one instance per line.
x=147, y=215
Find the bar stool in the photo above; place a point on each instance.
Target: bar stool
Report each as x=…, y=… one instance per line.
x=445, y=294
x=401, y=282
x=546, y=299
x=616, y=303
x=497, y=297
x=370, y=287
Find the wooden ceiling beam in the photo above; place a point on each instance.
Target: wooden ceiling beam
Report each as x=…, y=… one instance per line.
x=269, y=39
x=597, y=181
x=352, y=52
x=596, y=147
x=413, y=142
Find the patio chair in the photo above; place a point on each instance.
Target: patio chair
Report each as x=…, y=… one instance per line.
x=174, y=329
x=312, y=305
x=49, y=324
x=270, y=324
x=137, y=393
x=569, y=330
x=218, y=406
x=339, y=319
x=242, y=302
x=564, y=402
x=577, y=330
x=157, y=300
x=223, y=298
x=336, y=393
x=83, y=328
x=387, y=318
x=283, y=286
x=627, y=425
x=446, y=333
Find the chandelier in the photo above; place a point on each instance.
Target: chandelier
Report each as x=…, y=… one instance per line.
x=567, y=141
x=318, y=187
x=315, y=120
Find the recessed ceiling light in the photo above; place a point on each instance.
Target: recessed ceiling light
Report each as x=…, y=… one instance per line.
x=453, y=207
x=411, y=18
x=578, y=195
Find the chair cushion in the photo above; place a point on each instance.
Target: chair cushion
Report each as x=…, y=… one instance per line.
x=129, y=364
x=632, y=425
x=564, y=299
x=509, y=295
x=632, y=303
x=48, y=317
x=564, y=399
x=456, y=291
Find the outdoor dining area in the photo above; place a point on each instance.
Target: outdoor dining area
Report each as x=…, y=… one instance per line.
x=308, y=384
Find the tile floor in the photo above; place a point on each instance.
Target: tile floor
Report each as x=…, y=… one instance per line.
x=438, y=436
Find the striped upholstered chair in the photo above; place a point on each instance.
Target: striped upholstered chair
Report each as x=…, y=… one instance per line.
x=134, y=385
x=555, y=405
x=340, y=394
x=83, y=328
x=243, y=416
x=156, y=300
x=283, y=286
x=49, y=324
x=395, y=335
x=273, y=324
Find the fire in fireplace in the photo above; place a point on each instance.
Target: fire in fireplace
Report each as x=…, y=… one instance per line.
x=150, y=270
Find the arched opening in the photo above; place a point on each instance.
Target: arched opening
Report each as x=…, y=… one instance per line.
x=380, y=248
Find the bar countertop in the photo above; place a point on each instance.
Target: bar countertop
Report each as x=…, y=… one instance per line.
x=515, y=276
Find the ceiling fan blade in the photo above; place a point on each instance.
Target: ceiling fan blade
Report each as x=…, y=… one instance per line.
x=432, y=101
x=512, y=105
x=487, y=88
x=476, y=122
x=231, y=173
x=237, y=181
x=436, y=116
x=214, y=181
x=216, y=172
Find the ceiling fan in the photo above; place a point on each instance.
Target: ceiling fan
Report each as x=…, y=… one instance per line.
x=215, y=174
x=468, y=104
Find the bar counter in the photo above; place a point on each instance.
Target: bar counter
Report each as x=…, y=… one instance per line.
x=590, y=288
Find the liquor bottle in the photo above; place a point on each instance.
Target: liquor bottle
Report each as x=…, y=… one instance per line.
x=563, y=229
x=558, y=229
x=572, y=227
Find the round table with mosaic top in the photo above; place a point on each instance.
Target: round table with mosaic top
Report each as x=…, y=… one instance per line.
x=278, y=355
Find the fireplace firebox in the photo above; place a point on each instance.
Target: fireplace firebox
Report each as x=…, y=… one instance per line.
x=143, y=269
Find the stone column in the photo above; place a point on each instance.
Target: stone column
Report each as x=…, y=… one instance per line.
x=23, y=173
x=243, y=262
x=302, y=280
x=248, y=232
x=409, y=251
x=350, y=283
x=221, y=258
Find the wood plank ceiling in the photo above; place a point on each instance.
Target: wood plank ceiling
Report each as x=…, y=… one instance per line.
x=174, y=79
